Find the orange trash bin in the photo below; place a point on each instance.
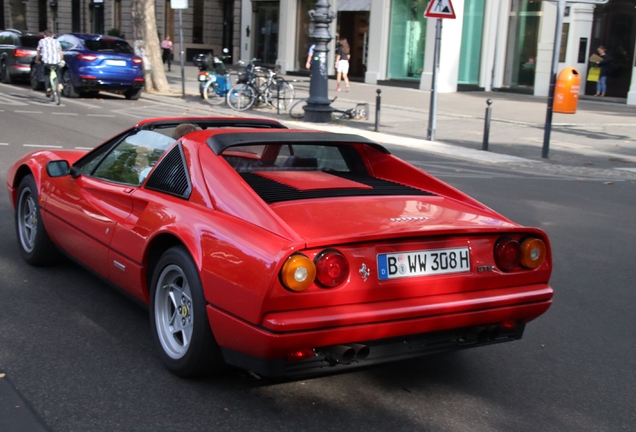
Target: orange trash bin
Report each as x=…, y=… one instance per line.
x=566, y=93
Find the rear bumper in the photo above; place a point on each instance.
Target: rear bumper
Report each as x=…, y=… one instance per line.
x=94, y=84
x=380, y=351
x=285, y=332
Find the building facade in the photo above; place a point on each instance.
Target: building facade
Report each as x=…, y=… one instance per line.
x=207, y=24
x=492, y=44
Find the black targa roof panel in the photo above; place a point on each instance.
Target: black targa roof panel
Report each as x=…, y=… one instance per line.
x=219, y=142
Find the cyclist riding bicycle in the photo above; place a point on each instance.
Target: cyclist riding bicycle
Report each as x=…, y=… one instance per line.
x=50, y=53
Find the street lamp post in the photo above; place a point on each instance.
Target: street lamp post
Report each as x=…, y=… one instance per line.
x=318, y=108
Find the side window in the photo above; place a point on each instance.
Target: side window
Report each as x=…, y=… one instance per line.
x=5, y=39
x=131, y=160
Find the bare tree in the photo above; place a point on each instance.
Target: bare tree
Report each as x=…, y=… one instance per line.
x=147, y=45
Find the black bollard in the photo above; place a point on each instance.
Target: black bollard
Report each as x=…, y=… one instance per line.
x=378, y=99
x=484, y=145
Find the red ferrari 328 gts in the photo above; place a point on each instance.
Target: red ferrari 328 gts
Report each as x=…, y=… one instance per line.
x=282, y=251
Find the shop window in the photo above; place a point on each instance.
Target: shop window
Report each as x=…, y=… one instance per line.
x=407, y=39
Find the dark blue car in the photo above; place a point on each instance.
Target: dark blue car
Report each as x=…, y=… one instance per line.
x=99, y=62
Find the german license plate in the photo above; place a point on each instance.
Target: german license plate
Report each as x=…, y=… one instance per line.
x=423, y=263
x=203, y=78
x=116, y=62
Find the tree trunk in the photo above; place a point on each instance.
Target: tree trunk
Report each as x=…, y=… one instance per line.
x=146, y=41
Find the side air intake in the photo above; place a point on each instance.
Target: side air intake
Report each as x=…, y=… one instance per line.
x=171, y=175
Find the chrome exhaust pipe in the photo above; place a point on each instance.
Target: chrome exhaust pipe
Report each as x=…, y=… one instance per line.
x=342, y=354
x=362, y=351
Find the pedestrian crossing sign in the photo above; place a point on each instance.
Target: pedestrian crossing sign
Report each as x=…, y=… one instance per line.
x=440, y=9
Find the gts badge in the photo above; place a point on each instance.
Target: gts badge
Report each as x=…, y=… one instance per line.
x=486, y=268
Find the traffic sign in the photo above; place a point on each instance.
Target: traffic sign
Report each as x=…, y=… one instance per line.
x=440, y=9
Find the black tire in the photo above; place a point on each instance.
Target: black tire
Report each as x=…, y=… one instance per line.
x=177, y=301
x=132, y=94
x=35, y=245
x=5, y=75
x=211, y=93
x=36, y=84
x=69, y=90
x=297, y=109
x=241, y=97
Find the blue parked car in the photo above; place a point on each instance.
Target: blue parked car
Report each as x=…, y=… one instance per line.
x=99, y=62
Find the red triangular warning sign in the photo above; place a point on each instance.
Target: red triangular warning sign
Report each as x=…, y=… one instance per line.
x=440, y=9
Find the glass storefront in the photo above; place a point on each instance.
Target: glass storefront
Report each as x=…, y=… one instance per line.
x=523, y=37
x=407, y=39
x=266, y=31
x=472, y=29
x=303, y=30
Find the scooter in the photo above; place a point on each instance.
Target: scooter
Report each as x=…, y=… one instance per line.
x=212, y=67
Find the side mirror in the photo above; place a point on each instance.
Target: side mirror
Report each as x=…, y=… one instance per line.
x=58, y=168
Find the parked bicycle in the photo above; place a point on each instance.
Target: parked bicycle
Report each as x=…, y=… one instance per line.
x=258, y=85
x=359, y=112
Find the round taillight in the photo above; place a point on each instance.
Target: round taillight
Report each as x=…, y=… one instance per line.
x=533, y=253
x=332, y=268
x=507, y=254
x=298, y=273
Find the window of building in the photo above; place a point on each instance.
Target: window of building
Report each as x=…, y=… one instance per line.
x=472, y=29
x=75, y=16
x=523, y=37
x=407, y=39
x=303, y=30
x=197, y=21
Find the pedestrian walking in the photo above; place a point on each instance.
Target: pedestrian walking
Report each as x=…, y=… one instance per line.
x=343, y=54
x=166, y=48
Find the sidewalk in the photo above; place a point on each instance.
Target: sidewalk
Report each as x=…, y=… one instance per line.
x=601, y=135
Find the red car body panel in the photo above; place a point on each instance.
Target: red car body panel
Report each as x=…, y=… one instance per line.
x=239, y=244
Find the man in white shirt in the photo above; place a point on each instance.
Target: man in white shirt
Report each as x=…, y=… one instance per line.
x=50, y=53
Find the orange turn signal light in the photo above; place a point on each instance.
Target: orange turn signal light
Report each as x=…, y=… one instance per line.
x=533, y=253
x=298, y=273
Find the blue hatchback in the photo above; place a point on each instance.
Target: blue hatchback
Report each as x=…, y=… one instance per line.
x=98, y=62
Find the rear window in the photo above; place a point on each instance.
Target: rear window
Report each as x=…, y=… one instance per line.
x=109, y=45
x=30, y=41
x=292, y=157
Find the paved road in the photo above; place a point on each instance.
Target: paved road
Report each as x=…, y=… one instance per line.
x=78, y=356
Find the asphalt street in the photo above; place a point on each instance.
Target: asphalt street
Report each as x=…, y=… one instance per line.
x=77, y=355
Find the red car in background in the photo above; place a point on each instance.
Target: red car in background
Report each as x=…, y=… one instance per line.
x=285, y=252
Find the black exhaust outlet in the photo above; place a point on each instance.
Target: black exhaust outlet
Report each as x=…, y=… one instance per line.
x=362, y=351
x=342, y=354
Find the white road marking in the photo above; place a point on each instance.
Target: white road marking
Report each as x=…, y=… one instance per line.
x=42, y=146
x=72, y=101
x=5, y=144
x=61, y=113
x=83, y=148
x=27, y=112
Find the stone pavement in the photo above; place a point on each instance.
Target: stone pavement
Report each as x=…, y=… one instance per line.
x=600, y=136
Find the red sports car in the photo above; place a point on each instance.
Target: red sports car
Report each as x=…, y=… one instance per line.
x=281, y=251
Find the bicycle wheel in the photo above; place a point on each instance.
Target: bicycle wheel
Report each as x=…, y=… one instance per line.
x=297, y=110
x=55, y=91
x=281, y=95
x=211, y=93
x=241, y=97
